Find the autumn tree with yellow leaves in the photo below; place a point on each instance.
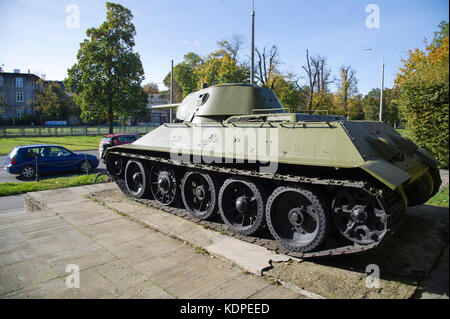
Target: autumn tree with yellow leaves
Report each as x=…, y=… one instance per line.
x=423, y=83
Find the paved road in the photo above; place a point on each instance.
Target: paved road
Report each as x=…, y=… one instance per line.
x=9, y=178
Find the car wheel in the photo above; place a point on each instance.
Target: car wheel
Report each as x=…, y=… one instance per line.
x=27, y=171
x=85, y=167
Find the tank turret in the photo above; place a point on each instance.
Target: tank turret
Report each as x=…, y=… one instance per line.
x=219, y=102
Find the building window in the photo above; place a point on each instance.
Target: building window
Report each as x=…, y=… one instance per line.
x=19, y=97
x=19, y=112
x=2, y=98
x=19, y=82
x=1, y=80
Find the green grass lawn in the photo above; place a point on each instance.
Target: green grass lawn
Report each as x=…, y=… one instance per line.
x=73, y=143
x=7, y=189
x=440, y=199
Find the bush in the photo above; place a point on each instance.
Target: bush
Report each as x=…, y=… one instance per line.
x=424, y=97
x=424, y=103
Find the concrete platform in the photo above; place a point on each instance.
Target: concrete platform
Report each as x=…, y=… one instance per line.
x=407, y=262
x=117, y=257
x=176, y=255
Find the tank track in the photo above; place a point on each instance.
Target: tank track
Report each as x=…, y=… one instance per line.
x=392, y=202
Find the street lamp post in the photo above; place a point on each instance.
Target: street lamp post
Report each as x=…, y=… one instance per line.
x=382, y=82
x=252, y=62
x=171, y=92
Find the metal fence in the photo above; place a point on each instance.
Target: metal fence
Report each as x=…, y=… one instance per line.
x=21, y=131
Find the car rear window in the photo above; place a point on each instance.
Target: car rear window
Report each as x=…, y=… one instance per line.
x=13, y=153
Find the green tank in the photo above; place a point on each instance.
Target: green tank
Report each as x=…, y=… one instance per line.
x=319, y=184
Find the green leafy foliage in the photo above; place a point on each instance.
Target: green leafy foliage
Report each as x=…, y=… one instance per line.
x=371, y=106
x=52, y=102
x=424, y=97
x=106, y=80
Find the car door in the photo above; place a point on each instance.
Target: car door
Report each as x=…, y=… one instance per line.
x=34, y=155
x=60, y=159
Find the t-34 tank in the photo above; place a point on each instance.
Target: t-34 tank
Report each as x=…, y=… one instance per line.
x=322, y=185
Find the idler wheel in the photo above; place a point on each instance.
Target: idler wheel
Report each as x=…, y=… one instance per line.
x=241, y=206
x=359, y=216
x=199, y=194
x=136, y=179
x=297, y=218
x=163, y=184
x=114, y=165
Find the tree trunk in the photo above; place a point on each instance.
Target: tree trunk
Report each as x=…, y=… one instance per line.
x=110, y=118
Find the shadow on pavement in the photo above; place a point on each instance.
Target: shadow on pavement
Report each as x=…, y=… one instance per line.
x=409, y=255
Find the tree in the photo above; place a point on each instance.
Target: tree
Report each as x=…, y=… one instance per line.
x=285, y=88
x=391, y=113
x=423, y=84
x=347, y=88
x=150, y=88
x=220, y=67
x=106, y=80
x=371, y=105
x=53, y=102
x=267, y=67
x=233, y=45
x=441, y=34
x=312, y=80
x=177, y=91
x=186, y=73
x=318, y=75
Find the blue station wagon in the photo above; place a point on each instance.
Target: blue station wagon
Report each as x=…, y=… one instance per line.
x=50, y=159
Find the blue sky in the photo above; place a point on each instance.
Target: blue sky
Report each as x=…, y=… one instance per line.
x=34, y=34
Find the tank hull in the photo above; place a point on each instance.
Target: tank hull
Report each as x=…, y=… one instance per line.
x=334, y=160
x=339, y=145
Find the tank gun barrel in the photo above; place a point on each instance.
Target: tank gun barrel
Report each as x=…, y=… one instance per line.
x=166, y=106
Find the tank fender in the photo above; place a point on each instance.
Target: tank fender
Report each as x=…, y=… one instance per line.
x=385, y=172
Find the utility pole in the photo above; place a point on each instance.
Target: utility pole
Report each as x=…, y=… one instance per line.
x=382, y=86
x=382, y=82
x=171, y=93
x=252, y=69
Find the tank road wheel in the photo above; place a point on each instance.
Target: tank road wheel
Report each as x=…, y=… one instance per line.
x=136, y=178
x=114, y=165
x=199, y=194
x=359, y=216
x=297, y=218
x=163, y=184
x=241, y=206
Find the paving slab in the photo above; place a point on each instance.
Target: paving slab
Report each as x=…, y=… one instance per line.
x=436, y=285
x=51, y=289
